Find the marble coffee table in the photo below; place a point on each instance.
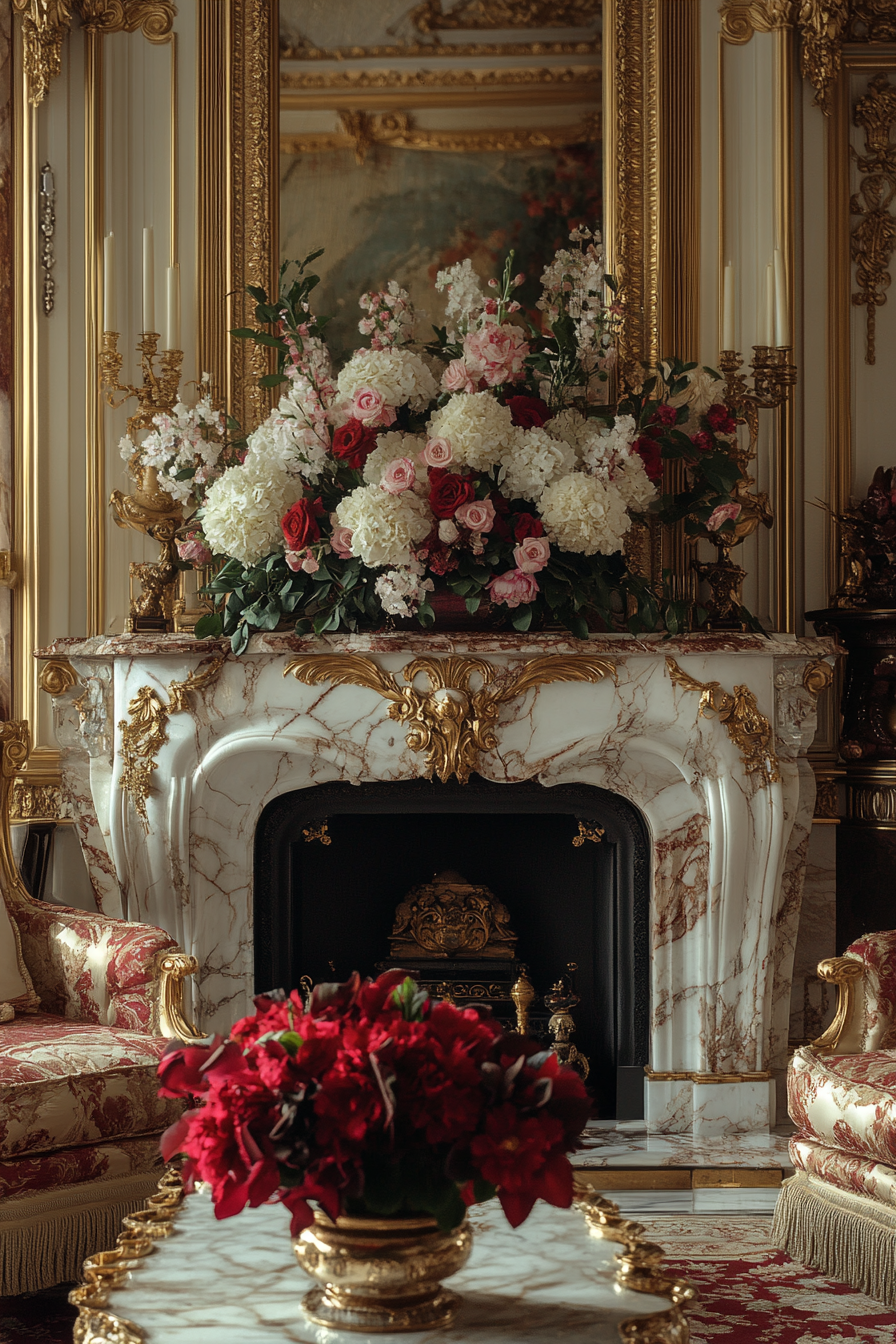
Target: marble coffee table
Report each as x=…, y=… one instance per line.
x=178, y=1276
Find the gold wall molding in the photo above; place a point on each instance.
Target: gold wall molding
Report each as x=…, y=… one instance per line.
x=871, y=21
x=742, y=719
x=631, y=174
x=873, y=238
x=396, y=130
x=145, y=732
x=429, y=17
x=46, y=23
x=827, y=803
x=304, y=50
x=253, y=206
x=454, y=720
x=580, y=80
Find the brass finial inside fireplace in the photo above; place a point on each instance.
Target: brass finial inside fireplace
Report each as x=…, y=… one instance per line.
x=449, y=917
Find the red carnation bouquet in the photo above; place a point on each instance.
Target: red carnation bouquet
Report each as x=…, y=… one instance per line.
x=378, y=1101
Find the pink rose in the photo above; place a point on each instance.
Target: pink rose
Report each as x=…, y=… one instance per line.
x=195, y=551
x=341, y=542
x=513, y=588
x=497, y=354
x=721, y=515
x=448, y=533
x=370, y=406
x=398, y=476
x=478, y=515
x=458, y=378
x=437, y=453
x=303, y=560
x=532, y=554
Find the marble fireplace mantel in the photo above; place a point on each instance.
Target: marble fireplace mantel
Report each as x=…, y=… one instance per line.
x=172, y=747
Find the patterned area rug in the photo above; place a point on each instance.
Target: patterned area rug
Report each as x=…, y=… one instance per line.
x=752, y=1293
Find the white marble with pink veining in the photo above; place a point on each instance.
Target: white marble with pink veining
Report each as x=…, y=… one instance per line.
x=728, y=852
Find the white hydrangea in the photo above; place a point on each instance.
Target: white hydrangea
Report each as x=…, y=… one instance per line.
x=531, y=461
x=583, y=514
x=567, y=425
x=479, y=429
x=290, y=441
x=399, y=375
x=384, y=527
x=244, y=507
x=607, y=454
x=389, y=446
x=599, y=444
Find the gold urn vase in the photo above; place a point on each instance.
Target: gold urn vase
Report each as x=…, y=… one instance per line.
x=381, y=1274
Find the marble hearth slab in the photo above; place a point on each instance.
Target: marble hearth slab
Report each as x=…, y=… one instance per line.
x=609, y=1148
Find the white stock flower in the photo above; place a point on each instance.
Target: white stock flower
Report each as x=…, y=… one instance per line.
x=384, y=527
x=243, y=509
x=465, y=297
x=478, y=427
x=532, y=460
x=583, y=514
x=400, y=591
x=398, y=375
x=291, y=439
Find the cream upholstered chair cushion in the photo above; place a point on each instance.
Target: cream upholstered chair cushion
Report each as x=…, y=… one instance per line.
x=16, y=987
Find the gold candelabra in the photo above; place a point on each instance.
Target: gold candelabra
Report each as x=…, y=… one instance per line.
x=150, y=509
x=773, y=377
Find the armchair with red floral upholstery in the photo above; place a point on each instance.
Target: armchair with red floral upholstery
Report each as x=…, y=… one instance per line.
x=838, y=1212
x=80, y=1115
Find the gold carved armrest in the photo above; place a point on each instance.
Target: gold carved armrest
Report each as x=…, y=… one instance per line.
x=844, y=1035
x=171, y=970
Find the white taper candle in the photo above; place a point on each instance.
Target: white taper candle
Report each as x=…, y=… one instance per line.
x=109, y=282
x=149, y=282
x=768, y=333
x=728, y=308
x=782, y=325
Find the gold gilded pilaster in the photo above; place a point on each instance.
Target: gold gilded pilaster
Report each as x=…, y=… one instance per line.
x=253, y=207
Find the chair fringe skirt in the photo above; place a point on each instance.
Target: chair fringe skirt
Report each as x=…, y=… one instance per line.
x=849, y=1237
x=45, y=1238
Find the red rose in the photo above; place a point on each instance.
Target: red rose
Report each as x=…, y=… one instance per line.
x=447, y=491
x=528, y=412
x=527, y=525
x=299, y=525
x=353, y=443
x=665, y=415
x=703, y=440
x=719, y=418
x=650, y=454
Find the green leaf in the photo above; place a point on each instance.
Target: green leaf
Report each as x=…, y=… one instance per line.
x=209, y=626
x=483, y=1189
x=291, y=1041
x=240, y=638
x=410, y=998
x=272, y=380
x=473, y=603
x=522, y=618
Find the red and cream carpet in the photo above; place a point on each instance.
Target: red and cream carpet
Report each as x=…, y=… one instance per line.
x=750, y=1293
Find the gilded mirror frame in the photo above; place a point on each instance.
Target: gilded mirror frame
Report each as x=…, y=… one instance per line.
x=240, y=37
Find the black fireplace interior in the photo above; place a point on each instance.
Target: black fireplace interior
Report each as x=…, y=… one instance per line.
x=317, y=904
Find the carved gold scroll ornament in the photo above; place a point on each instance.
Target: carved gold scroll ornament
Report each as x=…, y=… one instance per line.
x=822, y=25
x=744, y=722
x=453, y=720
x=145, y=732
x=873, y=238
x=45, y=24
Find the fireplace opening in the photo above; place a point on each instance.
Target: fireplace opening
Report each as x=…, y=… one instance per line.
x=569, y=864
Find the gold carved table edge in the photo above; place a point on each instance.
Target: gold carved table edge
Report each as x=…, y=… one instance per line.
x=639, y=1269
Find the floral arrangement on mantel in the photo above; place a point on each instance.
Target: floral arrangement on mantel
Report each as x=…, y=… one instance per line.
x=375, y=1101
x=483, y=469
